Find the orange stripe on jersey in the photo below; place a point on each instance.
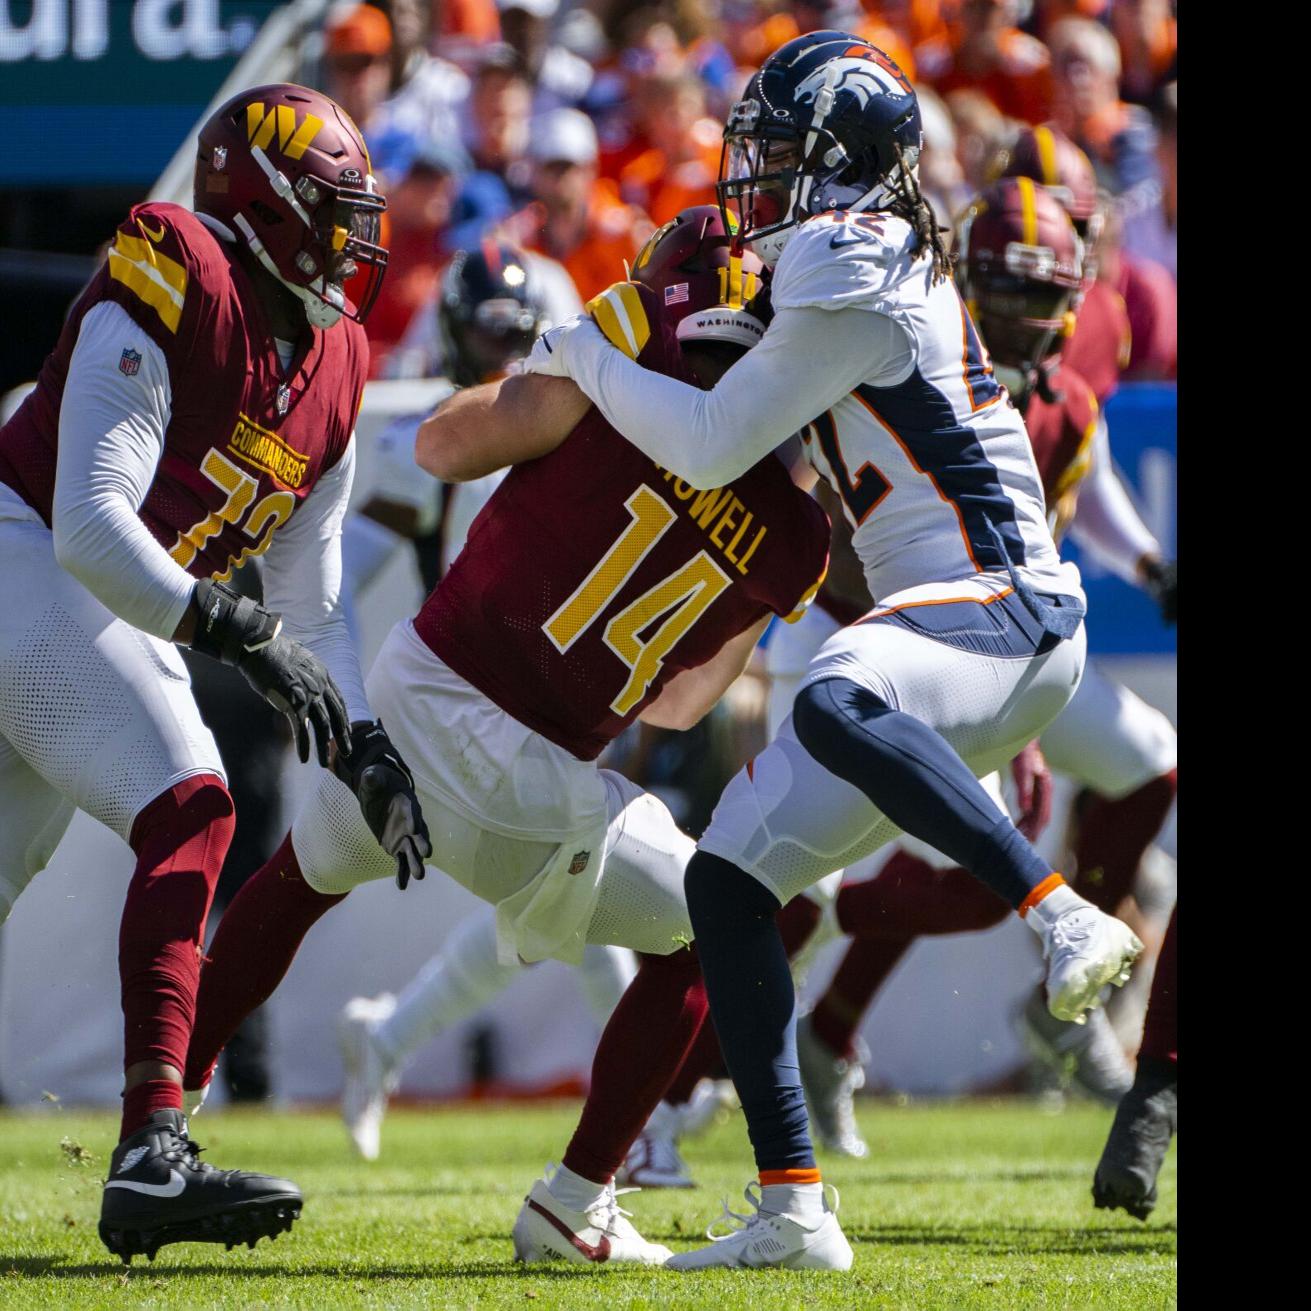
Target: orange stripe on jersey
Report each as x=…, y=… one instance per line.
x=155, y=279
x=1049, y=884
x=810, y=1176
x=946, y=600
x=915, y=464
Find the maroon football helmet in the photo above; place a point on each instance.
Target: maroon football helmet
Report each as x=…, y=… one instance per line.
x=713, y=293
x=1048, y=156
x=284, y=168
x=1019, y=266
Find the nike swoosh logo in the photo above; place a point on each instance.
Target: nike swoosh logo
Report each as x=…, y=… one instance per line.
x=154, y=236
x=835, y=244
x=599, y=1253
x=173, y=1188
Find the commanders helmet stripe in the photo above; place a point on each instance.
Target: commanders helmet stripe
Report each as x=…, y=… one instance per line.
x=1046, y=144
x=804, y=604
x=1028, y=211
x=155, y=279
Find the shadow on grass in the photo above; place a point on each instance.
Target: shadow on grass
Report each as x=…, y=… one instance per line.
x=54, y=1267
x=1027, y=1240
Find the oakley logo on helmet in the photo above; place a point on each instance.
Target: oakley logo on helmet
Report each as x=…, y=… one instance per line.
x=351, y=177
x=293, y=140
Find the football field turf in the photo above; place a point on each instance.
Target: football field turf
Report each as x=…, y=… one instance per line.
x=965, y=1204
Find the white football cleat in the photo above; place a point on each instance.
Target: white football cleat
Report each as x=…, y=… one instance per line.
x=762, y=1241
x=370, y=1076
x=831, y=1083
x=654, y=1161
x=546, y=1230
x=1086, y=949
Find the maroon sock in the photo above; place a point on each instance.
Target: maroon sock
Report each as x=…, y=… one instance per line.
x=1161, y=1030
x=1113, y=836
x=255, y=944
x=644, y=1042
x=907, y=899
x=141, y=1102
x=839, y=1012
x=797, y=922
x=180, y=839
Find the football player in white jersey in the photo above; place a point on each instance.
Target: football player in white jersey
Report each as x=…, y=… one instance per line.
x=976, y=642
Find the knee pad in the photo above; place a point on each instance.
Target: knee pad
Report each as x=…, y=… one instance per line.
x=199, y=809
x=333, y=845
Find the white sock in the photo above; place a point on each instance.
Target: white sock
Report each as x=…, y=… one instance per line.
x=1060, y=899
x=453, y=985
x=802, y=1201
x=573, y=1191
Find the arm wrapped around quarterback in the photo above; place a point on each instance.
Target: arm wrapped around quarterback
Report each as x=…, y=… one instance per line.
x=808, y=360
x=111, y=436
x=303, y=579
x=384, y=787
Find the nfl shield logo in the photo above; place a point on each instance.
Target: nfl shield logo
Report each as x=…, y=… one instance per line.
x=579, y=862
x=129, y=363
x=284, y=399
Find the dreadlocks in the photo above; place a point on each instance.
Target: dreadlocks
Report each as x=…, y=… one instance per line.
x=917, y=211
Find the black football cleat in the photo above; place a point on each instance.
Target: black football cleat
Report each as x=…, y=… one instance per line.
x=159, y=1192
x=1145, y=1121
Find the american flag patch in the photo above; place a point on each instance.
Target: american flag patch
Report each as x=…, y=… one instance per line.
x=676, y=294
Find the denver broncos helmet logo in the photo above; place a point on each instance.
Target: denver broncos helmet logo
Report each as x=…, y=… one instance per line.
x=859, y=73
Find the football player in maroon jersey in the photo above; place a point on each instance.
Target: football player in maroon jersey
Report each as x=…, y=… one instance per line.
x=595, y=587
x=196, y=411
x=1019, y=266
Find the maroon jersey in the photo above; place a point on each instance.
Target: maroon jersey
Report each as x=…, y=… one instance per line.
x=592, y=576
x=1100, y=347
x=246, y=440
x=1061, y=433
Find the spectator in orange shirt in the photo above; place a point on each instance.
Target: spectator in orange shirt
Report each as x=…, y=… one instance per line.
x=985, y=50
x=758, y=42
x=682, y=165
x=1148, y=37
x=575, y=218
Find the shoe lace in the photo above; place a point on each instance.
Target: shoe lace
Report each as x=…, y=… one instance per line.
x=608, y=1210
x=738, y=1222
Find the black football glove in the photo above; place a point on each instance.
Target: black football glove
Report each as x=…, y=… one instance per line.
x=288, y=675
x=1161, y=579
x=384, y=786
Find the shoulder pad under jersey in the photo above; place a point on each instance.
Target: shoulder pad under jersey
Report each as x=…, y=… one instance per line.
x=837, y=261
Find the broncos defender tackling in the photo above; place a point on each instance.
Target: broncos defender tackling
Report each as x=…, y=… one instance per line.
x=976, y=642
x=196, y=411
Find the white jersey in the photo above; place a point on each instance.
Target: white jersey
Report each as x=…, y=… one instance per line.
x=929, y=457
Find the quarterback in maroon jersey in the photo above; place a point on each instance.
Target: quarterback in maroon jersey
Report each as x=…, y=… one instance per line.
x=196, y=411
x=595, y=587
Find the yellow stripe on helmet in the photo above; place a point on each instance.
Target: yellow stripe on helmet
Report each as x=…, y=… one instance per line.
x=1028, y=211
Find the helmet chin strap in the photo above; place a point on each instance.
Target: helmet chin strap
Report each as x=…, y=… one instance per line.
x=318, y=312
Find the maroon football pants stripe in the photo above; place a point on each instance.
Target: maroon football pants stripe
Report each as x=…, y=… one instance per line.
x=256, y=942
x=180, y=840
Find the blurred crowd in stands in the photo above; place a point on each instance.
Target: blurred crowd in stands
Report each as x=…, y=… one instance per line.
x=571, y=128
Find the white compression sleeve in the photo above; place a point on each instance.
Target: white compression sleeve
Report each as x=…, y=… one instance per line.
x=808, y=360
x=1106, y=521
x=111, y=437
x=302, y=580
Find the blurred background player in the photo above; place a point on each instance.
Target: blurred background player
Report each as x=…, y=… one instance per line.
x=200, y=398
x=491, y=308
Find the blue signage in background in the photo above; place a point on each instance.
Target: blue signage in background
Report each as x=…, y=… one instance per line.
x=1142, y=419
x=102, y=92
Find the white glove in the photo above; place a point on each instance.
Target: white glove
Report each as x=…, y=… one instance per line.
x=547, y=354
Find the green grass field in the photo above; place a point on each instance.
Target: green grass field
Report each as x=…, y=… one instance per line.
x=959, y=1205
